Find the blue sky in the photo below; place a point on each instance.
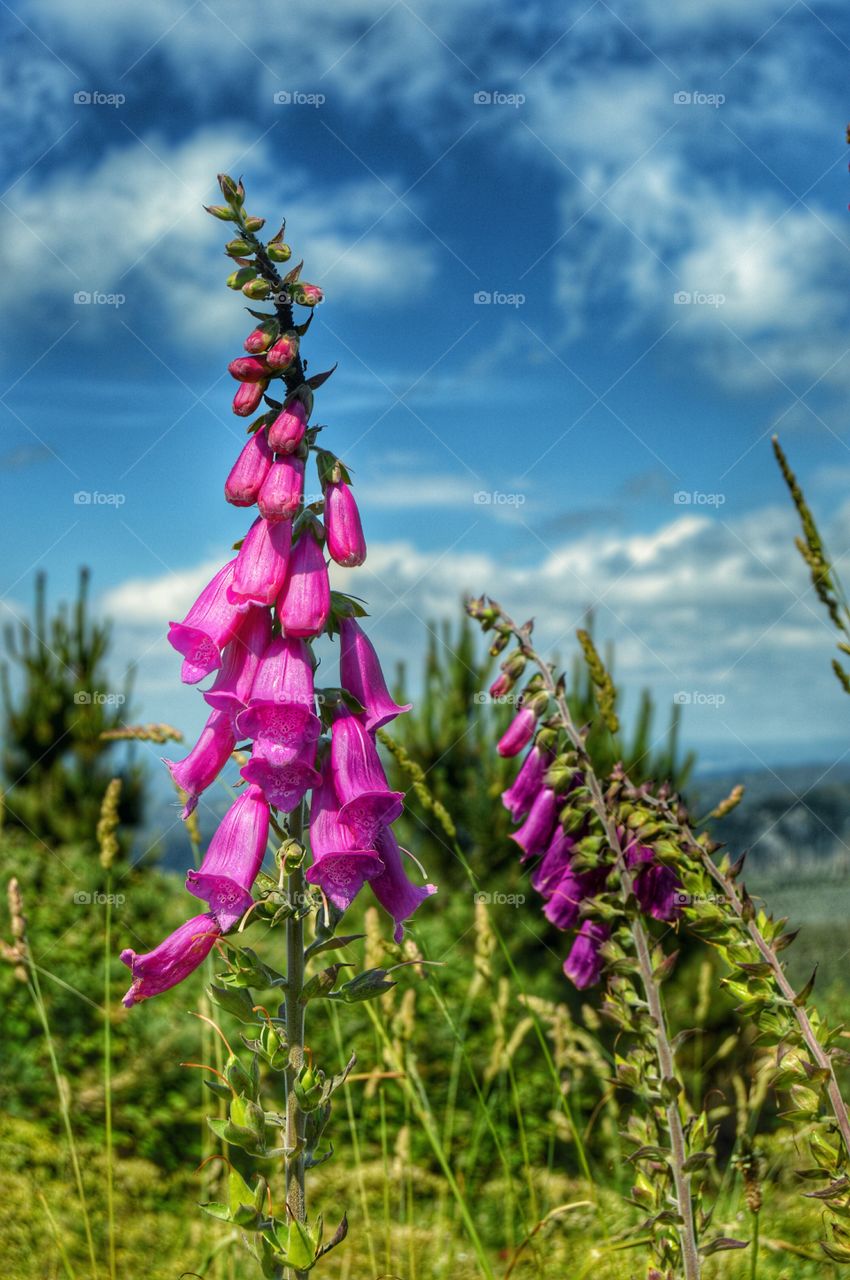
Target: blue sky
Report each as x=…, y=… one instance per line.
x=650, y=198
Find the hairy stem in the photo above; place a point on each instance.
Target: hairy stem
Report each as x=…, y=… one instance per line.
x=295, y=1200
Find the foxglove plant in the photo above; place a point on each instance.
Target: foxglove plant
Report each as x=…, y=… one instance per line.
x=253, y=629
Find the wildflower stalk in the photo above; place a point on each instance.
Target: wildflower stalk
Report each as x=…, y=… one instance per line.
x=294, y=1013
x=670, y=1086
x=108, y=843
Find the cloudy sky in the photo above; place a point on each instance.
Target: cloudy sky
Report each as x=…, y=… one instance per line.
x=580, y=262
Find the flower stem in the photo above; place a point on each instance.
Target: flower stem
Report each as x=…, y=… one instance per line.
x=107, y=1077
x=294, y=1013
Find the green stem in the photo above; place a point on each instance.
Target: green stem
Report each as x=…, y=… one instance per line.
x=294, y=1013
x=754, y=1249
x=107, y=1077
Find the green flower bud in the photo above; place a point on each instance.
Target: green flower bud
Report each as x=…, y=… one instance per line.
x=254, y=224
x=257, y=289
x=241, y=277
x=219, y=211
x=239, y=248
x=279, y=252
x=232, y=193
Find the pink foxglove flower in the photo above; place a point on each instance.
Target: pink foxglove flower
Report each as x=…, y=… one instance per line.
x=242, y=486
x=341, y=862
x=282, y=489
x=248, y=369
x=519, y=797
x=206, y=760
x=346, y=544
x=361, y=674
x=397, y=895
x=172, y=961
x=283, y=778
x=258, y=340
x=281, y=709
x=210, y=624
x=289, y=428
x=518, y=733
x=284, y=351
x=535, y=833
x=248, y=398
x=657, y=888
x=304, y=604
x=232, y=687
x=233, y=859
x=584, y=963
x=366, y=802
x=260, y=567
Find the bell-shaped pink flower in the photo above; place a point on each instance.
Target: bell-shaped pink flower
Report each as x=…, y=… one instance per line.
x=233, y=859
x=366, y=802
x=173, y=960
x=584, y=964
x=555, y=862
x=206, y=760
x=242, y=486
x=518, y=734
x=519, y=798
x=284, y=351
x=258, y=340
x=289, y=428
x=304, y=605
x=346, y=544
x=232, y=687
x=397, y=895
x=282, y=490
x=361, y=674
x=248, y=398
x=210, y=624
x=260, y=567
x=341, y=863
x=535, y=833
x=249, y=369
x=281, y=708
x=283, y=778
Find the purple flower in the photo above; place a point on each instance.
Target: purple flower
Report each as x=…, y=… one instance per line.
x=341, y=863
x=518, y=733
x=360, y=673
x=260, y=567
x=248, y=397
x=283, y=778
x=583, y=966
x=249, y=369
x=346, y=544
x=242, y=486
x=519, y=798
x=656, y=887
x=206, y=760
x=567, y=895
x=288, y=429
x=283, y=488
x=555, y=862
x=280, y=710
x=209, y=625
x=233, y=859
x=535, y=833
x=232, y=686
x=305, y=602
x=366, y=802
x=397, y=895
x=172, y=961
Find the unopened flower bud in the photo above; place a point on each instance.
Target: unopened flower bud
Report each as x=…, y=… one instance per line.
x=237, y=279
x=284, y=351
x=221, y=211
x=248, y=369
x=279, y=252
x=287, y=430
x=248, y=398
x=538, y=702
x=232, y=193
x=261, y=338
x=307, y=295
x=501, y=686
x=254, y=224
x=514, y=665
x=500, y=643
x=239, y=248
x=257, y=289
